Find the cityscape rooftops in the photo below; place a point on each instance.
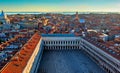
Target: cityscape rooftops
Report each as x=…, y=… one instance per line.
x=19, y=61
x=62, y=26
x=111, y=50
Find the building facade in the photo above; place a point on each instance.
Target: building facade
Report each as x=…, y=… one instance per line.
x=67, y=42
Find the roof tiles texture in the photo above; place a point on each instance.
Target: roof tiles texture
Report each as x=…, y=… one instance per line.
x=19, y=61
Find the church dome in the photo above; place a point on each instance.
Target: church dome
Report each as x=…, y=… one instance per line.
x=3, y=15
x=4, y=19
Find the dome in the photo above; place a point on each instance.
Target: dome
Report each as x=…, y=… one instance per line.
x=4, y=19
x=82, y=20
x=3, y=15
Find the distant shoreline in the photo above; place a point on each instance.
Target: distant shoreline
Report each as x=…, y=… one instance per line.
x=69, y=13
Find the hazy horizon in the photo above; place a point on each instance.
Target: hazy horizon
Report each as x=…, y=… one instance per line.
x=65, y=13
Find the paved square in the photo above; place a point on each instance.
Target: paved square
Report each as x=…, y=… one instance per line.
x=67, y=61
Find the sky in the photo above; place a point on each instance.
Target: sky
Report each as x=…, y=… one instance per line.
x=60, y=5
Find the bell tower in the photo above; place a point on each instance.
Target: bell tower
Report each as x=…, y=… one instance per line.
x=76, y=16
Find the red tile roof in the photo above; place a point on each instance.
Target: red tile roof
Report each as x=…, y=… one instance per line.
x=106, y=48
x=9, y=41
x=19, y=61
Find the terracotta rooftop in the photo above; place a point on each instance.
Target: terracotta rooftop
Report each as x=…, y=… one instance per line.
x=20, y=59
x=106, y=47
x=9, y=41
